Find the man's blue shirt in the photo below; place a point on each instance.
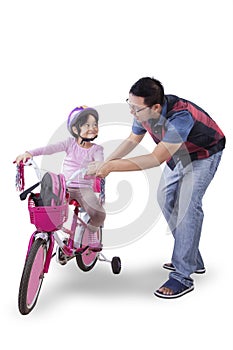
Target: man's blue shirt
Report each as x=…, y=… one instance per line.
x=176, y=128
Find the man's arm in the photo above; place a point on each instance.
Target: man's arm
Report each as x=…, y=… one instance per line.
x=161, y=153
x=126, y=146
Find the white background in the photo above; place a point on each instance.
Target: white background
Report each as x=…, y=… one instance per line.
x=59, y=54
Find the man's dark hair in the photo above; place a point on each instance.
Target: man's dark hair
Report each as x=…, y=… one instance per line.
x=149, y=88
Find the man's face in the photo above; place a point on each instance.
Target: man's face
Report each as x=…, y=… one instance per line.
x=142, y=112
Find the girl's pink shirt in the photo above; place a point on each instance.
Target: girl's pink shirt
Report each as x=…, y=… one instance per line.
x=76, y=158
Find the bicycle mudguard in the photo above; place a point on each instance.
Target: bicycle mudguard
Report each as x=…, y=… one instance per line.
x=25, y=193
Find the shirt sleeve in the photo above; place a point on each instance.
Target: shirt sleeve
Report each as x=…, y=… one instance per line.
x=178, y=127
x=137, y=128
x=99, y=154
x=50, y=149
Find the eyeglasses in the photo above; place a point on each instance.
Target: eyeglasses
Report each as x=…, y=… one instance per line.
x=133, y=107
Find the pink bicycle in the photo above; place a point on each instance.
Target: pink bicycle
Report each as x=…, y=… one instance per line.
x=70, y=243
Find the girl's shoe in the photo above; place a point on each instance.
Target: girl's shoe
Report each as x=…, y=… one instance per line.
x=93, y=242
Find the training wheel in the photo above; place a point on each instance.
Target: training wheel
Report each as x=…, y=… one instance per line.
x=116, y=265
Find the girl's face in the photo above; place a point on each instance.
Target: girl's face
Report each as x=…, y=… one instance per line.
x=90, y=128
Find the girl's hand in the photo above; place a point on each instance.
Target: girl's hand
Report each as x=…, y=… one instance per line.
x=23, y=157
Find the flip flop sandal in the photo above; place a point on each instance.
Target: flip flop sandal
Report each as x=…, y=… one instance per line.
x=169, y=266
x=177, y=288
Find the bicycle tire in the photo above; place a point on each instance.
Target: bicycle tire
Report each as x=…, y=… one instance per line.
x=87, y=260
x=116, y=265
x=32, y=276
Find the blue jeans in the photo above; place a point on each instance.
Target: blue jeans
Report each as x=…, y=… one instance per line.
x=180, y=194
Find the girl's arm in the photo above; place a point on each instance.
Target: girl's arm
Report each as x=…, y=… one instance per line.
x=49, y=149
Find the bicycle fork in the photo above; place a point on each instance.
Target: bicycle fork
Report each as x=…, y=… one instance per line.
x=49, y=239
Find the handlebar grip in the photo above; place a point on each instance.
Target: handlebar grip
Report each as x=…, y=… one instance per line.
x=23, y=163
x=24, y=194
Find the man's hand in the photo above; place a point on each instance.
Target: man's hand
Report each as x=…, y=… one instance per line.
x=100, y=169
x=92, y=168
x=104, y=169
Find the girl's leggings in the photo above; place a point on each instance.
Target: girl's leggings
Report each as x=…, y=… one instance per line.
x=90, y=203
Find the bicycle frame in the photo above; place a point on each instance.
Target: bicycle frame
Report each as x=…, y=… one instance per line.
x=51, y=237
x=69, y=248
x=42, y=241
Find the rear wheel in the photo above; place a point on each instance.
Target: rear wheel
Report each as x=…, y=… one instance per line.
x=116, y=265
x=32, y=276
x=87, y=260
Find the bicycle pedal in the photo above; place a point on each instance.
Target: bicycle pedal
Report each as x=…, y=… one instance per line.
x=95, y=250
x=60, y=257
x=95, y=247
x=81, y=250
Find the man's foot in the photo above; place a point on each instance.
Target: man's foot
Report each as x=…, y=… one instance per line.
x=169, y=266
x=172, y=289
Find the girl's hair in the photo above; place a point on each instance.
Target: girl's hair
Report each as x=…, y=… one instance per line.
x=151, y=89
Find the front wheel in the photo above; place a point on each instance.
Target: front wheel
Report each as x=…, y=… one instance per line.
x=32, y=276
x=87, y=260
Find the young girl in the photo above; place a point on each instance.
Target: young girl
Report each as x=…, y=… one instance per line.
x=80, y=151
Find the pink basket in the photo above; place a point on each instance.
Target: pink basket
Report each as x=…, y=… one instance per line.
x=48, y=218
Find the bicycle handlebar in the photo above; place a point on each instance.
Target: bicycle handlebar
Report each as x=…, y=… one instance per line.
x=31, y=162
x=75, y=174
x=20, y=178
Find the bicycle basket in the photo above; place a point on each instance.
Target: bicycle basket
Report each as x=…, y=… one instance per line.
x=48, y=218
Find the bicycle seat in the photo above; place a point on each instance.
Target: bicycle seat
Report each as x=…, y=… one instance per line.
x=74, y=202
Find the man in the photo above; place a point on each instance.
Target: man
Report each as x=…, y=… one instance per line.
x=191, y=144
